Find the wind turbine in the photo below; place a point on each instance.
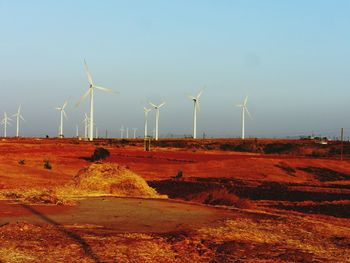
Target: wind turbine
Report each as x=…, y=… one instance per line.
x=146, y=119
x=127, y=133
x=157, y=107
x=86, y=125
x=90, y=92
x=195, y=107
x=244, y=109
x=62, y=112
x=5, y=121
x=122, y=132
x=134, y=129
x=18, y=117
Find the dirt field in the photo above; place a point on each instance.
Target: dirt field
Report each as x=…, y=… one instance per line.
x=229, y=201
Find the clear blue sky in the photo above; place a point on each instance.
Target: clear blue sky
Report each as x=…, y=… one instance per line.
x=291, y=57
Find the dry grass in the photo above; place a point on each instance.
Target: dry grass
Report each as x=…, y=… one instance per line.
x=37, y=196
x=98, y=179
x=308, y=236
x=112, y=179
x=252, y=236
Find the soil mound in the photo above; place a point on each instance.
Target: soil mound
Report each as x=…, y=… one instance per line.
x=113, y=179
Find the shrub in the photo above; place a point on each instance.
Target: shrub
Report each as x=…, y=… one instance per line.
x=47, y=164
x=178, y=176
x=99, y=153
x=21, y=162
x=221, y=196
x=278, y=148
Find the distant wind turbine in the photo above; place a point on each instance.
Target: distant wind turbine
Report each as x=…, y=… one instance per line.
x=146, y=119
x=122, y=132
x=134, y=129
x=195, y=107
x=18, y=116
x=127, y=133
x=5, y=121
x=157, y=107
x=244, y=109
x=91, y=93
x=62, y=112
x=86, y=125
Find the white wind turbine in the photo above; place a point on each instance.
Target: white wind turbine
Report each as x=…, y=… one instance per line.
x=244, y=109
x=195, y=107
x=62, y=112
x=5, y=121
x=146, y=119
x=86, y=125
x=134, y=129
x=91, y=93
x=157, y=107
x=122, y=132
x=18, y=116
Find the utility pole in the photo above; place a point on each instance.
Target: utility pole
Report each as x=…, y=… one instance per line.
x=341, y=143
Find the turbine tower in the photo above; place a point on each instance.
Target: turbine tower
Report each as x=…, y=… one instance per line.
x=146, y=119
x=195, y=107
x=157, y=107
x=62, y=112
x=18, y=117
x=90, y=92
x=134, y=129
x=5, y=121
x=244, y=109
x=122, y=132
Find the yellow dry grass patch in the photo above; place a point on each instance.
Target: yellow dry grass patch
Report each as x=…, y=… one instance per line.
x=13, y=255
x=98, y=179
x=295, y=232
x=109, y=179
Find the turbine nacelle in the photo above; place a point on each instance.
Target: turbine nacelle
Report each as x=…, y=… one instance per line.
x=156, y=107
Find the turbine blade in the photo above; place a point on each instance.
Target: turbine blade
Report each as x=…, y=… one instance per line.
x=64, y=113
x=191, y=97
x=84, y=96
x=246, y=109
x=161, y=105
x=88, y=73
x=198, y=107
x=65, y=104
x=199, y=94
x=239, y=105
x=245, y=101
x=57, y=108
x=104, y=89
x=21, y=117
x=153, y=105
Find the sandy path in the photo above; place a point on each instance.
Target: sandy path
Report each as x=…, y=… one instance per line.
x=118, y=214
